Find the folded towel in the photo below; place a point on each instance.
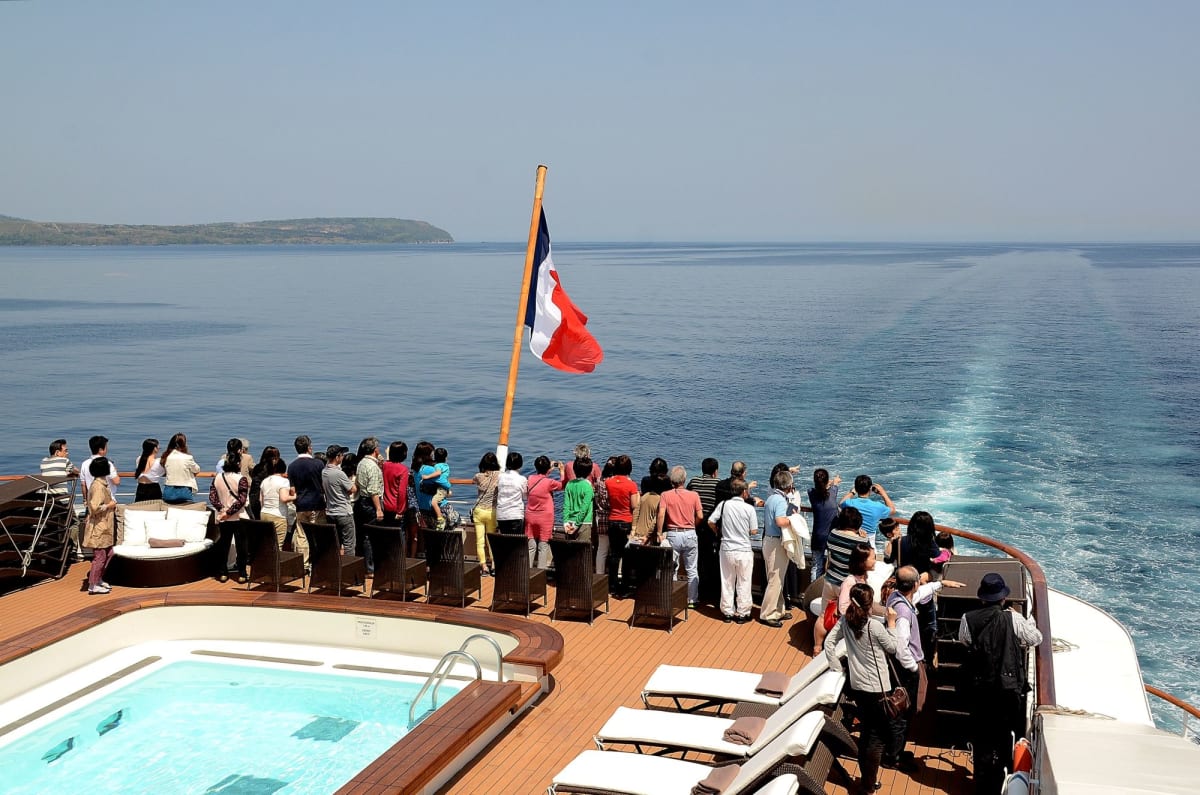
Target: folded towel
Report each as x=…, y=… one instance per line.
x=163, y=543
x=745, y=730
x=717, y=780
x=773, y=683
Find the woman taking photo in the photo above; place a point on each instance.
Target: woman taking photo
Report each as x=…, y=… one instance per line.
x=823, y=497
x=180, y=469
x=229, y=496
x=868, y=645
x=148, y=473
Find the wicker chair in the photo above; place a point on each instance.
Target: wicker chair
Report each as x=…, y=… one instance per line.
x=516, y=584
x=450, y=576
x=330, y=568
x=394, y=571
x=267, y=564
x=656, y=593
x=577, y=587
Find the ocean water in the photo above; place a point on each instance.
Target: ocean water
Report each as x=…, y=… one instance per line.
x=1044, y=395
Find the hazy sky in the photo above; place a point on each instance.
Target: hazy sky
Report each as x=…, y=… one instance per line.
x=671, y=121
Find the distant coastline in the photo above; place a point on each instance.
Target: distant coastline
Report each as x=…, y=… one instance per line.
x=295, y=231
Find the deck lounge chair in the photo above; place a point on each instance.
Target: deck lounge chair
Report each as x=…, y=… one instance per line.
x=394, y=571
x=645, y=774
x=717, y=687
x=517, y=583
x=267, y=564
x=330, y=568
x=577, y=587
x=683, y=732
x=450, y=576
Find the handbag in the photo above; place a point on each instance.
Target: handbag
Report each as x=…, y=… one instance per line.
x=895, y=702
x=429, y=486
x=830, y=618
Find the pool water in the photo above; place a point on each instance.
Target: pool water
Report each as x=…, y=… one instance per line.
x=208, y=727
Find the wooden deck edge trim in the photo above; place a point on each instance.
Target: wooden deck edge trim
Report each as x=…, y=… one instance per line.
x=413, y=762
x=538, y=646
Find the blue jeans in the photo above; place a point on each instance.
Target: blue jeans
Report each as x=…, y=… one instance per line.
x=686, y=546
x=818, y=564
x=176, y=495
x=345, y=529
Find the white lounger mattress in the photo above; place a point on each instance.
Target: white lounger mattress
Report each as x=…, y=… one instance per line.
x=722, y=684
x=678, y=729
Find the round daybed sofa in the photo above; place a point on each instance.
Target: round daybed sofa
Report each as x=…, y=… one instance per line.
x=162, y=544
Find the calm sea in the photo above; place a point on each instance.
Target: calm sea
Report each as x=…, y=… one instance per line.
x=1044, y=395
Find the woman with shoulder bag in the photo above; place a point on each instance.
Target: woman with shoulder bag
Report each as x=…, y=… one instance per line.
x=868, y=645
x=229, y=495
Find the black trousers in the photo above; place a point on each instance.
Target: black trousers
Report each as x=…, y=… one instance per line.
x=996, y=715
x=364, y=514
x=618, y=537
x=708, y=564
x=898, y=735
x=226, y=534
x=874, y=725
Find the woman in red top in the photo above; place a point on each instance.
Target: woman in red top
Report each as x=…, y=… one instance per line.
x=399, y=494
x=622, y=502
x=539, y=509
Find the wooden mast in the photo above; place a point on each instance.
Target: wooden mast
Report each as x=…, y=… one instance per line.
x=518, y=332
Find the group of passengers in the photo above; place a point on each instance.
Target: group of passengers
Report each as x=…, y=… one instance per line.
x=708, y=522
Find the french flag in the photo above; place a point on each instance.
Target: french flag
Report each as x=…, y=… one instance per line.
x=558, y=330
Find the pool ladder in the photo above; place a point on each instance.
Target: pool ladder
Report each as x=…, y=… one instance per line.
x=442, y=670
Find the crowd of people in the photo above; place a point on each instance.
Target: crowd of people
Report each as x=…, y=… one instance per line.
x=710, y=522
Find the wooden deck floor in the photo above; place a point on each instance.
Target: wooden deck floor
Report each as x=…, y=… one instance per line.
x=605, y=666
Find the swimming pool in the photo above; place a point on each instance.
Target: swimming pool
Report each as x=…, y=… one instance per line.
x=213, y=727
x=62, y=662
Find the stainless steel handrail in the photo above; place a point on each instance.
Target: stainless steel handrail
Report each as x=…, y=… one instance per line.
x=495, y=645
x=440, y=671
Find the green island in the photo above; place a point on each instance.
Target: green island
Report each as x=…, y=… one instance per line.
x=296, y=231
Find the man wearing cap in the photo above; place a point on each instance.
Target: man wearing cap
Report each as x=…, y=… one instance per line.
x=996, y=639
x=338, y=490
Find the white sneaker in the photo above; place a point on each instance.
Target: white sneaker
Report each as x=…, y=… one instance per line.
x=99, y=589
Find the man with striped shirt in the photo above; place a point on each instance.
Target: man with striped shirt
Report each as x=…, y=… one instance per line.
x=58, y=464
x=708, y=555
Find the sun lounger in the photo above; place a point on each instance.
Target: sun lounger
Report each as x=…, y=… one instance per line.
x=677, y=731
x=716, y=687
x=646, y=774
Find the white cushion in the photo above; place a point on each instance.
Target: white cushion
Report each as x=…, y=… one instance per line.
x=189, y=525
x=135, y=525
x=159, y=528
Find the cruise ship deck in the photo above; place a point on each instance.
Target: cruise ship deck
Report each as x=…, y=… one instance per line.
x=604, y=667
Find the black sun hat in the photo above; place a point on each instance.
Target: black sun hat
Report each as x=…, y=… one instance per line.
x=993, y=588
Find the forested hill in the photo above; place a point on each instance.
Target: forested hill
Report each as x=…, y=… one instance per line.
x=297, y=231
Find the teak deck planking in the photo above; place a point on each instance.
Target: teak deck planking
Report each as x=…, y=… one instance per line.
x=604, y=666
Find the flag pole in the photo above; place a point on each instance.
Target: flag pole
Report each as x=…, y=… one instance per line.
x=518, y=332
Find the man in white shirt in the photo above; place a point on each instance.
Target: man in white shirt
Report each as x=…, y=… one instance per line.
x=738, y=522
x=99, y=447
